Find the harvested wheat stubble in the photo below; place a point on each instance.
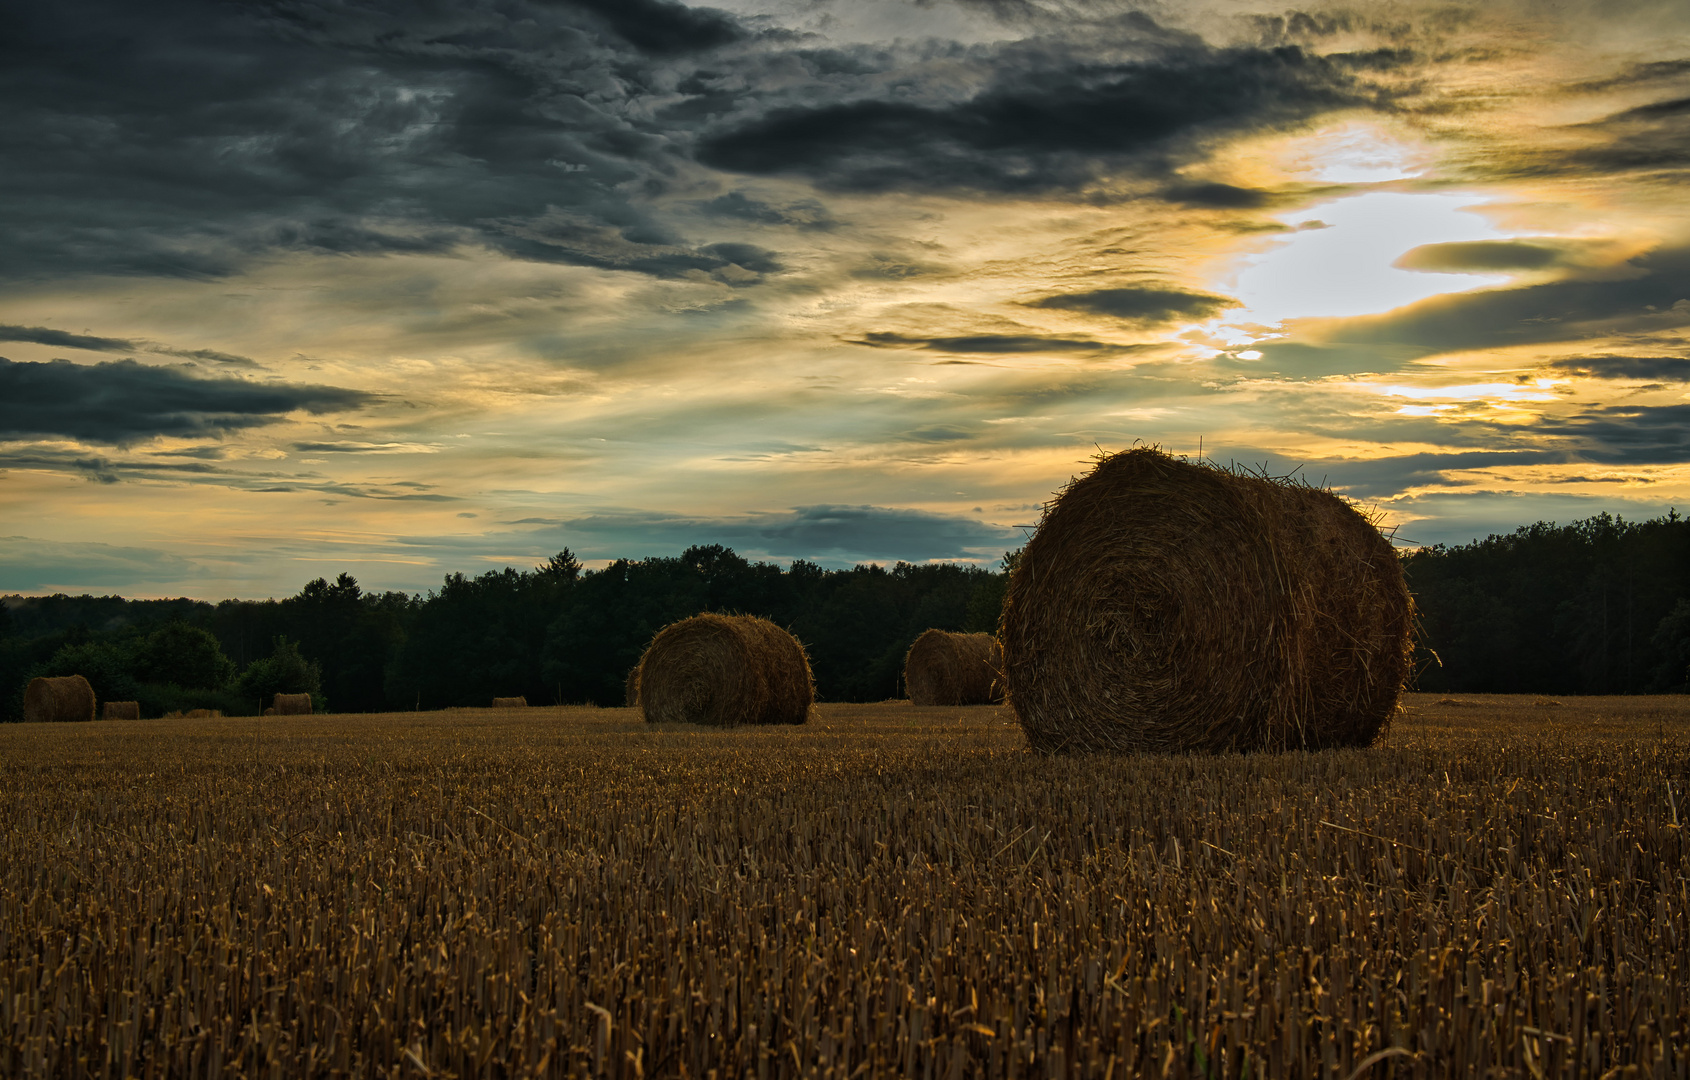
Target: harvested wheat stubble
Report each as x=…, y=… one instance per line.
x=55, y=700
x=292, y=705
x=631, y=688
x=943, y=668
x=510, y=703
x=724, y=670
x=1177, y=607
x=121, y=710
x=885, y=891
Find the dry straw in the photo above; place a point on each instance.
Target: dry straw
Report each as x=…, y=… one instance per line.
x=510, y=703
x=725, y=670
x=51, y=700
x=631, y=688
x=1170, y=606
x=121, y=710
x=293, y=705
x=943, y=668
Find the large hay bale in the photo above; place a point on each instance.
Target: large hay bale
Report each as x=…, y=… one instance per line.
x=121, y=710
x=53, y=700
x=510, y=703
x=1169, y=606
x=631, y=688
x=293, y=704
x=725, y=670
x=943, y=668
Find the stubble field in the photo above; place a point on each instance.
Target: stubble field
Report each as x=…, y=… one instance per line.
x=1499, y=889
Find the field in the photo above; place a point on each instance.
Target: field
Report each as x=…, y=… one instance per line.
x=1498, y=889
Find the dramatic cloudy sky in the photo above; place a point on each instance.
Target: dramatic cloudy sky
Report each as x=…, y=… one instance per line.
x=301, y=286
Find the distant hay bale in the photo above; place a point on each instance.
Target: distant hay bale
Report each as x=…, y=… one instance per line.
x=725, y=670
x=631, y=688
x=293, y=704
x=510, y=703
x=943, y=668
x=202, y=714
x=56, y=700
x=1176, y=607
x=121, y=710
x=270, y=711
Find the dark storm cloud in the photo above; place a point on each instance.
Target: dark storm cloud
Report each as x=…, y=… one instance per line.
x=123, y=402
x=1381, y=477
x=1627, y=434
x=663, y=27
x=41, y=335
x=1479, y=255
x=802, y=213
x=992, y=344
x=1044, y=124
x=1654, y=296
x=1667, y=369
x=1219, y=196
x=187, y=137
x=1140, y=305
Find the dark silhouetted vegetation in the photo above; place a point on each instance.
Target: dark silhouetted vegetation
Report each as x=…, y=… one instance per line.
x=1600, y=606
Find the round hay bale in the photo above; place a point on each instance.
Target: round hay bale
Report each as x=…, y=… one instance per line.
x=510, y=703
x=121, y=710
x=271, y=711
x=725, y=670
x=631, y=688
x=943, y=668
x=56, y=700
x=1176, y=607
x=293, y=704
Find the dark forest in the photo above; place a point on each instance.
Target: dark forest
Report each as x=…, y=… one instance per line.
x=1600, y=606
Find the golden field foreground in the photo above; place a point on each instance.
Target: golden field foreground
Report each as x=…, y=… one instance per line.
x=1499, y=888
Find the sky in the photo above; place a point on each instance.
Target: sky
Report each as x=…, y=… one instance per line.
x=298, y=287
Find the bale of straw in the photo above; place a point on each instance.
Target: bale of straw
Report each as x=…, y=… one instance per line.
x=510, y=703
x=55, y=700
x=725, y=670
x=202, y=714
x=1169, y=606
x=271, y=711
x=631, y=688
x=943, y=668
x=293, y=704
x=121, y=710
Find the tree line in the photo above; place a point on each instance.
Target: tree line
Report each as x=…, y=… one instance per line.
x=1598, y=606
x=554, y=634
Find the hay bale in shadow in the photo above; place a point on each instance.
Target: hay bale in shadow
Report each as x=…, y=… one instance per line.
x=271, y=711
x=202, y=714
x=631, y=688
x=725, y=670
x=1170, y=606
x=510, y=703
x=292, y=704
x=58, y=699
x=121, y=710
x=943, y=668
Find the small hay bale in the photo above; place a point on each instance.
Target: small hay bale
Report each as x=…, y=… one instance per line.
x=57, y=700
x=943, y=668
x=725, y=670
x=121, y=710
x=202, y=714
x=631, y=688
x=271, y=711
x=1167, y=606
x=293, y=704
x=510, y=703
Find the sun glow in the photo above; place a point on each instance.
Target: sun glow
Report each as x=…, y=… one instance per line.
x=1338, y=261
